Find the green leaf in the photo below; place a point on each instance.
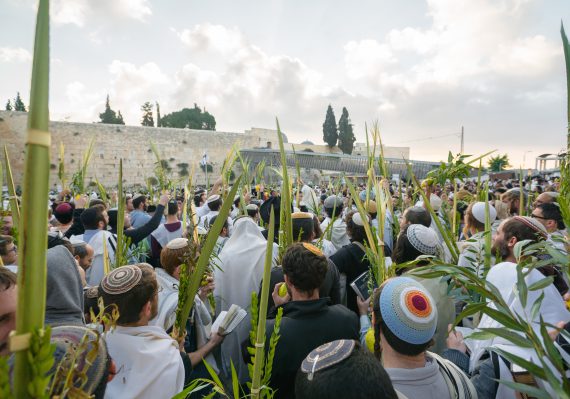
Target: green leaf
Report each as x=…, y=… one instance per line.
x=534, y=369
x=521, y=288
x=528, y=389
x=505, y=319
x=543, y=283
x=509, y=336
x=536, y=307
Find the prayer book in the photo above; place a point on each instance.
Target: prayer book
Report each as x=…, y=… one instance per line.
x=360, y=285
x=226, y=322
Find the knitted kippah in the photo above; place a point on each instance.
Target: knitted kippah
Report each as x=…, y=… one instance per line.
x=92, y=292
x=533, y=224
x=408, y=310
x=372, y=207
x=251, y=207
x=121, y=280
x=423, y=239
x=301, y=215
x=333, y=201
x=313, y=249
x=177, y=243
x=327, y=355
x=478, y=211
x=212, y=198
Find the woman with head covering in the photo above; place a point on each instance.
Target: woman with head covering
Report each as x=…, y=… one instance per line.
x=241, y=264
x=417, y=240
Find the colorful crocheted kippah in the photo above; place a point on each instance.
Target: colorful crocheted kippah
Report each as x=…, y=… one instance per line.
x=121, y=280
x=313, y=249
x=408, y=310
x=327, y=355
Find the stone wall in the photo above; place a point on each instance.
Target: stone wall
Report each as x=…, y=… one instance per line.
x=132, y=143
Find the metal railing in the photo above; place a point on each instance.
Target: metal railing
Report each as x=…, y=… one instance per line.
x=349, y=164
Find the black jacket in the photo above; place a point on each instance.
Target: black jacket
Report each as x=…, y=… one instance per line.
x=351, y=261
x=305, y=326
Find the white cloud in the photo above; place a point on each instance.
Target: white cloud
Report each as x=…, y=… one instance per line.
x=81, y=12
x=70, y=12
x=14, y=54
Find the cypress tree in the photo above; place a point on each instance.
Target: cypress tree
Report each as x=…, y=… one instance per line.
x=19, y=104
x=147, y=119
x=346, y=137
x=330, y=132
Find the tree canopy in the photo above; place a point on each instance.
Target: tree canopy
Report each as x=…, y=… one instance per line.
x=109, y=116
x=346, y=137
x=147, y=118
x=330, y=132
x=189, y=118
x=498, y=163
x=19, y=104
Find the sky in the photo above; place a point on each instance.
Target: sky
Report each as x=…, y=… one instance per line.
x=421, y=68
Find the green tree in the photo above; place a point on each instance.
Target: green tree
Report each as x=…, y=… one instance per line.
x=9, y=105
x=147, y=119
x=189, y=118
x=330, y=132
x=346, y=137
x=109, y=116
x=19, y=104
x=498, y=163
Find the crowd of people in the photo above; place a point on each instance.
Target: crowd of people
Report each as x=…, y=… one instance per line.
x=395, y=341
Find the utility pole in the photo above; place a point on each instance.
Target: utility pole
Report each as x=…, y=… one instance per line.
x=462, y=139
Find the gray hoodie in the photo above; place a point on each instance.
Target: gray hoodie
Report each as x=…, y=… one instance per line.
x=64, y=296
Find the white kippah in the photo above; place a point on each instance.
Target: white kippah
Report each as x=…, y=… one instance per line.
x=435, y=202
x=478, y=211
x=423, y=239
x=357, y=219
x=212, y=198
x=251, y=207
x=177, y=243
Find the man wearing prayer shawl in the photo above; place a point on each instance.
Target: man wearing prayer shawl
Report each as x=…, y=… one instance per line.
x=241, y=262
x=148, y=361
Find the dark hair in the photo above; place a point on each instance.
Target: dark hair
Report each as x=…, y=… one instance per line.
x=551, y=211
x=302, y=229
x=252, y=212
x=514, y=227
x=7, y=278
x=336, y=210
x=305, y=270
x=138, y=200
x=113, y=213
x=131, y=302
x=404, y=251
x=417, y=215
x=197, y=200
x=4, y=242
x=400, y=346
x=91, y=217
x=360, y=376
x=151, y=208
x=97, y=201
x=213, y=220
x=172, y=208
x=56, y=238
x=215, y=205
x=80, y=250
x=317, y=227
x=354, y=231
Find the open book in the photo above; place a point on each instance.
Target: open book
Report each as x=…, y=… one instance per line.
x=226, y=322
x=360, y=285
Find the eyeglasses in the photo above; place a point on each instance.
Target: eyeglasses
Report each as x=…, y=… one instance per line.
x=537, y=217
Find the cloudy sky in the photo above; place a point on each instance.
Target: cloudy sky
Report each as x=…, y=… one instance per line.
x=423, y=68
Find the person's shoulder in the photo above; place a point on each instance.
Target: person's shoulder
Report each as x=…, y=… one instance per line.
x=343, y=312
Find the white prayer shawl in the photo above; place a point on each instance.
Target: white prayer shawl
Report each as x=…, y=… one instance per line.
x=206, y=220
x=163, y=236
x=504, y=277
x=96, y=272
x=310, y=199
x=202, y=210
x=338, y=235
x=327, y=247
x=148, y=363
x=241, y=262
x=167, y=304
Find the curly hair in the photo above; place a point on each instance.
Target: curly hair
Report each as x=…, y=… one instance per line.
x=170, y=259
x=305, y=269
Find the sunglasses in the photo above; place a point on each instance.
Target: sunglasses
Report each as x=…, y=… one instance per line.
x=537, y=217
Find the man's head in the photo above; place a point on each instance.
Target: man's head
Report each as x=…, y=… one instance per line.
x=415, y=215
x=139, y=203
x=95, y=218
x=8, y=250
x=64, y=213
x=252, y=211
x=172, y=208
x=303, y=229
x=513, y=230
x=512, y=199
x=225, y=228
x=83, y=254
x=172, y=256
x=547, y=197
x=7, y=224
x=129, y=204
x=355, y=227
x=415, y=240
x=342, y=369
x=134, y=290
x=404, y=316
x=8, y=302
x=333, y=205
x=549, y=215
x=304, y=267
x=214, y=202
